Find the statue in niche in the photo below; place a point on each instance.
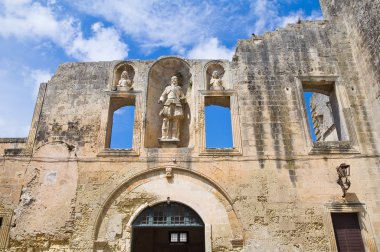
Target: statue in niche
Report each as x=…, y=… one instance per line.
x=216, y=83
x=125, y=83
x=172, y=112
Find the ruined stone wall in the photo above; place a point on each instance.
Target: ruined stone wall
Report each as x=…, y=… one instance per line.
x=359, y=20
x=272, y=121
x=274, y=191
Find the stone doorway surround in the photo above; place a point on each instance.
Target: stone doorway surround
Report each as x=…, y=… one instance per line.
x=365, y=225
x=113, y=228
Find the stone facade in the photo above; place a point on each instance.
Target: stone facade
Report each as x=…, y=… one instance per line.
x=64, y=189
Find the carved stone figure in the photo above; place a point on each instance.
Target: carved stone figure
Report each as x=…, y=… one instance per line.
x=125, y=82
x=216, y=83
x=172, y=112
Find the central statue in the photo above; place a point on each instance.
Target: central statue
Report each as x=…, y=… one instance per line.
x=172, y=112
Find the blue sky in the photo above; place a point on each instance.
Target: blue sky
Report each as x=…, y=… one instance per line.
x=37, y=36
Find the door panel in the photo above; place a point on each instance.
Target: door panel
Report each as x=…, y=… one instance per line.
x=347, y=232
x=155, y=239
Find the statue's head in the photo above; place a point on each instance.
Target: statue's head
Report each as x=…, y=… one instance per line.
x=215, y=74
x=174, y=80
x=124, y=75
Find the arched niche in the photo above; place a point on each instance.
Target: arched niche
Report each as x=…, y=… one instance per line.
x=114, y=223
x=210, y=68
x=119, y=68
x=159, y=77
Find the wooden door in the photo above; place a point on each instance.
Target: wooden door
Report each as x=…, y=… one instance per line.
x=347, y=232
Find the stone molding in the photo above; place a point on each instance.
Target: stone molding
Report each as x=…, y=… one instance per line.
x=106, y=125
x=236, y=135
x=327, y=147
x=364, y=222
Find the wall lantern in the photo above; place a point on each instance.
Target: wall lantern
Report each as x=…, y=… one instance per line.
x=343, y=174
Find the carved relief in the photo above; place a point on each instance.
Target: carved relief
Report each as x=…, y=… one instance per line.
x=214, y=76
x=168, y=123
x=216, y=83
x=125, y=84
x=172, y=112
x=123, y=77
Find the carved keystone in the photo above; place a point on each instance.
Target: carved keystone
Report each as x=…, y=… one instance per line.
x=169, y=172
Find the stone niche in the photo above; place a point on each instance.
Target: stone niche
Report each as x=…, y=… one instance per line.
x=210, y=68
x=159, y=77
x=122, y=66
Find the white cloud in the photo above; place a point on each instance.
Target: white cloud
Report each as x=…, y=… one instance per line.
x=174, y=24
x=30, y=23
x=120, y=112
x=165, y=23
x=27, y=20
x=104, y=45
x=19, y=87
x=13, y=127
x=182, y=24
x=299, y=15
x=34, y=77
x=191, y=28
x=30, y=20
x=267, y=16
x=210, y=49
x=18, y=96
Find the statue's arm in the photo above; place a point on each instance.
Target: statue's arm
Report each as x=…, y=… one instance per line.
x=163, y=96
x=182, y=96
x=213, y=82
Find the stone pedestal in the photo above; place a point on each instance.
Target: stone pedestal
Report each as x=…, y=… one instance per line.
x=124, y=88
x=168, y=143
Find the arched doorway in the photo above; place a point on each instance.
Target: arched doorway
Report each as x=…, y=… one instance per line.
x=168, y=227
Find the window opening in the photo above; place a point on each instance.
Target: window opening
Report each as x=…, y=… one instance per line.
x=218, y=125
x=178, y=237
x=347, y=232
x=122, y=128
x=174, y=237
x=173, y=214
x=307, y=97
x=324, y=116
x=1, y=222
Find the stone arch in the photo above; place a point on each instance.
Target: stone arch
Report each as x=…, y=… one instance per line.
x=147, y=180
x=159, y=77
x=66, y=147
x=119, y=68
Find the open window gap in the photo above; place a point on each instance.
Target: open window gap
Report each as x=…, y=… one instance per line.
x=122, y=128
x=324, y=117
x=218, y=123
x=307, y=97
